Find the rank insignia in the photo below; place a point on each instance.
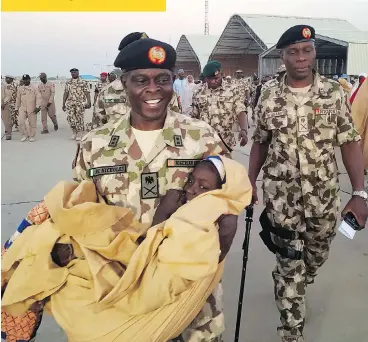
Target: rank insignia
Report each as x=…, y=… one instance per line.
x=149, y=185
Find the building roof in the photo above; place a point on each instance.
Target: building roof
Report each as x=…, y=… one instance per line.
x=260, y=32
x=88, y=77
x=195, y=48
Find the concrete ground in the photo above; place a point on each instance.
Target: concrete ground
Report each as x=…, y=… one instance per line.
x=338, y=301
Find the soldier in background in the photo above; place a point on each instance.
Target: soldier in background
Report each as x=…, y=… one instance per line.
x=47, y=90
x=112, y=77
x=221, y=106
x=145, y=140
x=301, y=119
x=9, y=113
x=102, y=83
x=28, y=104
x=75, y=101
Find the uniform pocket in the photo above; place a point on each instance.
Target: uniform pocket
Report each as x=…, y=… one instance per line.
x=325, y=127
x=276, y=120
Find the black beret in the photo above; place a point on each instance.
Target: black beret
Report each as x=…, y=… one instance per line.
x=74, y=69
x=146, y=54
x=211, y=69
x=130, y=38
x=296, y=34
x=26, y=77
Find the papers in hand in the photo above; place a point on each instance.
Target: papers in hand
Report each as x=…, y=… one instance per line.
x=347, y=230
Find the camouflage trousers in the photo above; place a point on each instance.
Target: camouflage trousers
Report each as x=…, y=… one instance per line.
x=291, y=277
x=209, y=324
x=75, y=116
x=14, y=115
x=96, y=122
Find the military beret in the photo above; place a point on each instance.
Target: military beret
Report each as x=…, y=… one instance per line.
x=74, y=69
x=212, y=69
x=9, y=76
x=296, y=34
x=130, y=38
x=103, y=74
x=146, y=54
x=26, y=77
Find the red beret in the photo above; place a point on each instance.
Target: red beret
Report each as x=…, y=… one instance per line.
x=103, y=74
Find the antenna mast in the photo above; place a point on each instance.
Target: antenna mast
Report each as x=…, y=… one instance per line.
x=206, y=23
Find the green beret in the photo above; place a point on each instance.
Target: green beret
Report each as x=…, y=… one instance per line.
x=211, y=69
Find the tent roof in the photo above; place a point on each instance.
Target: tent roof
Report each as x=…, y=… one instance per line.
x=195, y=48
x=260, y=32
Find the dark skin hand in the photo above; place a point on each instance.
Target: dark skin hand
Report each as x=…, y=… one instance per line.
x=258, y=155
x=62, y=254
x=353, y=161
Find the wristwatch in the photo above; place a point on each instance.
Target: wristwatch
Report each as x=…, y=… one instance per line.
x=362, y=194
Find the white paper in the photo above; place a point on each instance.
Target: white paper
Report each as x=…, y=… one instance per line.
x=347, y=230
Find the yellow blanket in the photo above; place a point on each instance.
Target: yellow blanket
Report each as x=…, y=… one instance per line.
x=117, y=290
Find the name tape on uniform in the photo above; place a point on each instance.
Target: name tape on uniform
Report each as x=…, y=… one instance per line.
x=107, y=100
x=149, y=185
x=107, y=170
x=183, y=162
x=321, y=111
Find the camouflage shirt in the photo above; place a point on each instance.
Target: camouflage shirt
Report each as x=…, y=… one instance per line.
x=220, y=109
x=100, y=85
x=9, y=93
x=113, y=102
x=138, y=183
x=77, y=89
x=302, y=130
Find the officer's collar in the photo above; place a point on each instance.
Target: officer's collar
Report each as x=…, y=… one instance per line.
x=317, y=85
x=170, y=132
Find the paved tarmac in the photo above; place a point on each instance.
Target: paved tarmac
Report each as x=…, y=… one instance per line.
x=338, y=302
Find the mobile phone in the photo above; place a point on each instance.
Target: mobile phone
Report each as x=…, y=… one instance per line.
x=350, y=219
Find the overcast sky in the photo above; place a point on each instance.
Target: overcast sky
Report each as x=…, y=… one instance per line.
x=55, y=42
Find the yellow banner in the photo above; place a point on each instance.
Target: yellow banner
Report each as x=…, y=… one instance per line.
x=83, y=5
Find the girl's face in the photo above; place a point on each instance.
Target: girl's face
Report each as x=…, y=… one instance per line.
x=204, y=178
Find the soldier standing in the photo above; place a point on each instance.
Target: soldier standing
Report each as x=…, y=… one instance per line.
x=28, y=104
x=75, y=101
x=145, y=150
x=221, y=106
x=96, y=121
x=47, y=90
x=111, y=77
x=9, y=114
x=301, y=119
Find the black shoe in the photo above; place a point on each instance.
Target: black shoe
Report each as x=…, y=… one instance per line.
x=8, y=137
x=45, y=131
x=56, y=127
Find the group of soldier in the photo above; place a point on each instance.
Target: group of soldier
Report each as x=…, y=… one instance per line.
x=137, y=131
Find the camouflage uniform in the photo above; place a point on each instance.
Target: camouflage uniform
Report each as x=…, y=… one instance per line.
x=113, y=102
x=220, y=109
x=9, y=114
x=300, y=184
x=96, y=120
x=137, y=183
x=76, y=103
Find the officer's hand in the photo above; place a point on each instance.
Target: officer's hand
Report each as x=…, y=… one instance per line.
x=254, y=194
x=37, y=110
x=88, y=105
x=64, y=108
x=243, y=137
x=173, y=200
x=358, y=207
x=2, y=107
x=227, y=229
x=48, y=105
